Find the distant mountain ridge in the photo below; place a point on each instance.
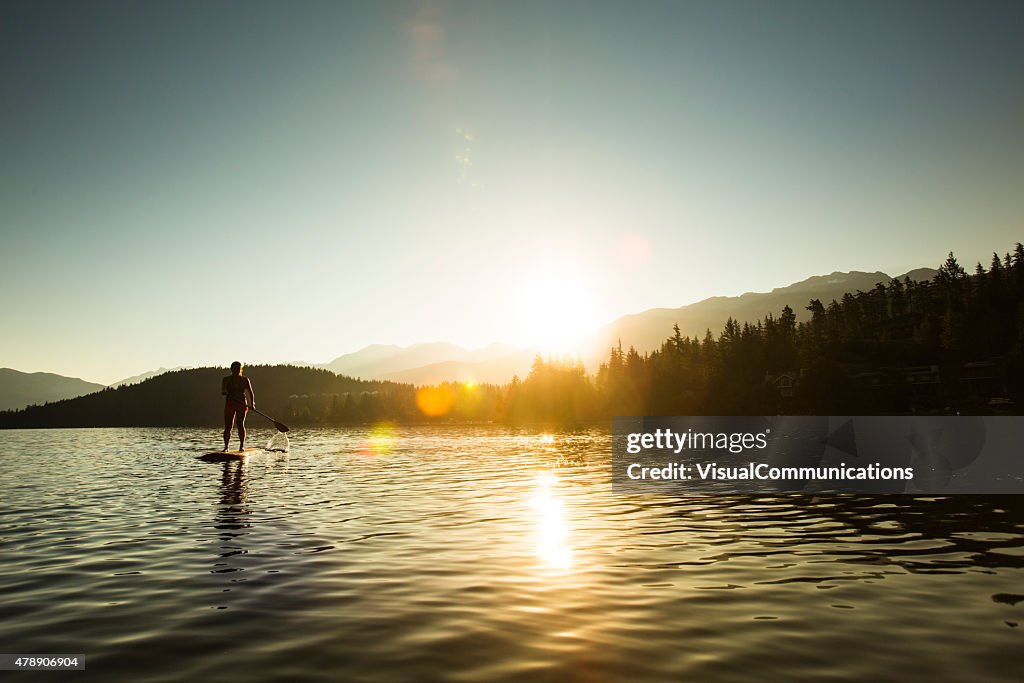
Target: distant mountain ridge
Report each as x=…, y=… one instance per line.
x=19, y=389
x=647, y=330
x=432, y=363
x=436, y=362
x=135, y=379
x=493, y=371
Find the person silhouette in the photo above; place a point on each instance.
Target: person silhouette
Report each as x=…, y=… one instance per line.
x=236, y=388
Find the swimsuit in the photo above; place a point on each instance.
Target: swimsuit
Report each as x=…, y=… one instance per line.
x=235, y=403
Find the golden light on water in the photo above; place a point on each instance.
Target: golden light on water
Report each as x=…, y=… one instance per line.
x=552, y=527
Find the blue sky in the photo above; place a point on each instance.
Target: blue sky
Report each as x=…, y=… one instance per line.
x=189, y=183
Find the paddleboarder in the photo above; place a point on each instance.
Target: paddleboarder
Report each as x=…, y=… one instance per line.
x=236, y=388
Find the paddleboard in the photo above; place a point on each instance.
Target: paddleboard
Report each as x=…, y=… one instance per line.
x=223, y=456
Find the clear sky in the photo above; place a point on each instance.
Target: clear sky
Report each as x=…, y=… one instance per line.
x=188, y=183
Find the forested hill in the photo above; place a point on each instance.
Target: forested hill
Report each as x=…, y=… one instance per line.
x=192, y=398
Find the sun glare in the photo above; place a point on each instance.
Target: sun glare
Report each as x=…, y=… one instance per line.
x=554, y=312
x=553, y=530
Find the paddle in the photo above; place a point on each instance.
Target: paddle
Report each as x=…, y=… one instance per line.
x=280, y=427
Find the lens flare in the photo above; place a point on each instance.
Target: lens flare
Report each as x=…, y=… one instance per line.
x=435, y=401
x=380, y=441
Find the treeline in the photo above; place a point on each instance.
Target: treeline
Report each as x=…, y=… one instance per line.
x=955, y=343
x=951, y=344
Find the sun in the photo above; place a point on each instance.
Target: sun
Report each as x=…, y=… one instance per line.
x=555, y=312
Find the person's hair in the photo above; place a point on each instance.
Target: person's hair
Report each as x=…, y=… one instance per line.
x=236, y=368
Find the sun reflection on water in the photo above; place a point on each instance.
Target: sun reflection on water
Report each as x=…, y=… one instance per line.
x=552, y=528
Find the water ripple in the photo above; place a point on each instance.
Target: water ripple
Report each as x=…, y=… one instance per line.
x=482, y=553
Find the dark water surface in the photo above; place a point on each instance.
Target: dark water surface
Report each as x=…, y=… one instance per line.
x=465, y=554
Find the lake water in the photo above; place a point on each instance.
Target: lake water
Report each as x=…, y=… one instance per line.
x=466, y=554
